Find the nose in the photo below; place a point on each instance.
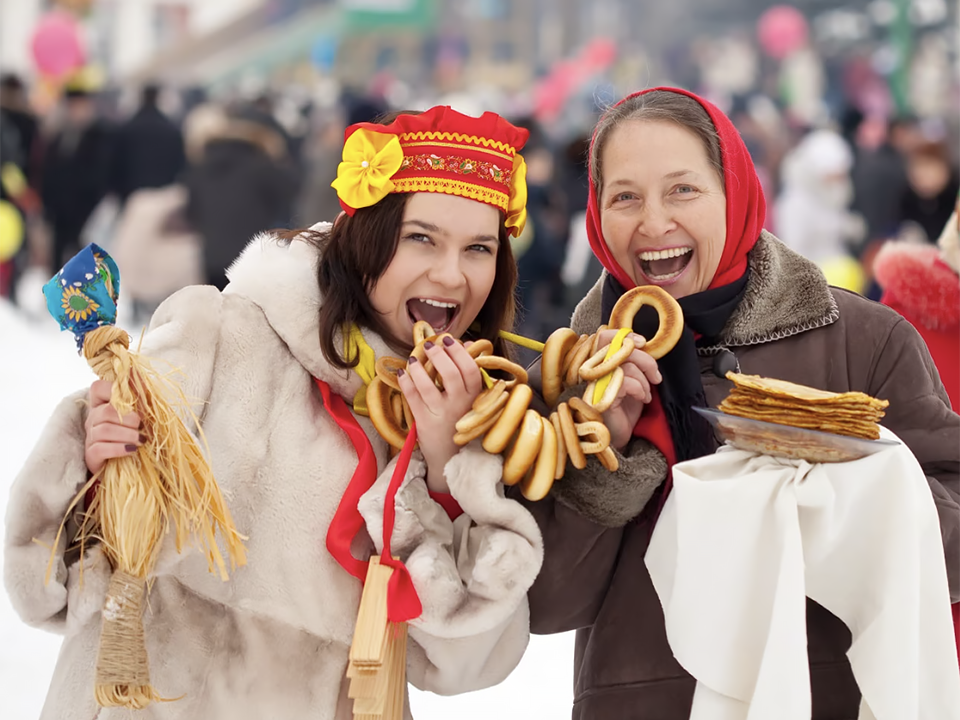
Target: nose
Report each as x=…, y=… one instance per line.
x=446, y=269
x=656, y=220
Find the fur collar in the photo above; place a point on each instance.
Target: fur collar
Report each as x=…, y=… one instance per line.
x=786, y=295
x=281, y=279
x=915, y=278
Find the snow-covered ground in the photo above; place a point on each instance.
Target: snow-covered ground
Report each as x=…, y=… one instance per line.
x=38, y=366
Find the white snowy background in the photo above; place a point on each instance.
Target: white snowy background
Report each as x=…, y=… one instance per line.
x=38, y=366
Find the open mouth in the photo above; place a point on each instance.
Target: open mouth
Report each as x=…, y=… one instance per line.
x=439, y=314
x=662, y=266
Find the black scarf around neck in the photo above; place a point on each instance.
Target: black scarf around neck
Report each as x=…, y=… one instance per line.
x=704, y=314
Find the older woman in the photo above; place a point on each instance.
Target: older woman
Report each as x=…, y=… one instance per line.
x=675, y=202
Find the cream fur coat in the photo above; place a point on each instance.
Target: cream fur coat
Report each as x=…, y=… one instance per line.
x=272, y=642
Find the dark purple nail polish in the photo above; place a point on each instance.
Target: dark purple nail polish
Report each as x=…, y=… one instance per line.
x=448, y=341
x=411, y=360
x=400, y=373
x=427, y=345
x=130, y=448
x=143, y=438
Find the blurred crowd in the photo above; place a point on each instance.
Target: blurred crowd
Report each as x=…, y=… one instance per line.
x=174, y=190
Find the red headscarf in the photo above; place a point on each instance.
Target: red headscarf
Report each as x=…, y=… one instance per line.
x=746, y=207
x=746, y=211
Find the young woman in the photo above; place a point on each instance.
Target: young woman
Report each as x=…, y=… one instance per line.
x=675, y=202
x=275, y=362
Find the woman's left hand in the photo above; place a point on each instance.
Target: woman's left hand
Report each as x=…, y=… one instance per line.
x=437, y=411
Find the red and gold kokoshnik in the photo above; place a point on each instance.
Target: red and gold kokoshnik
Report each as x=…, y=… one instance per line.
x=439, y=150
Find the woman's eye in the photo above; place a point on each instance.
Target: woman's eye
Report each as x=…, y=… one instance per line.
x=685, y=189
x=417, y=237
x=623, y=197
x=480, y=248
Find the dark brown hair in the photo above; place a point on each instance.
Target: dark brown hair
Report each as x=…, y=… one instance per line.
x=356, y=252
x=663, y=106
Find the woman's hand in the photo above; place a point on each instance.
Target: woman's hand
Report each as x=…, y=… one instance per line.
x=640, y=372
x=108, y=436
x=437, y=411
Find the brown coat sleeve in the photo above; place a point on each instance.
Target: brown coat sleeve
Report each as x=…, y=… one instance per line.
x=920, y=415
x=582, y=522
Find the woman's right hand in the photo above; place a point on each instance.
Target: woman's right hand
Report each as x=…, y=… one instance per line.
x=108, y=435
x=640, y=372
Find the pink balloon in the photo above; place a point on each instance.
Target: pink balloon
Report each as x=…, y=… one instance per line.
x=56, y=44
x=781, y=31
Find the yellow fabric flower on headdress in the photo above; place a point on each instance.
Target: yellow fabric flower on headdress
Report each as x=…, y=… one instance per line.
x=369, y=161
x=517, y=206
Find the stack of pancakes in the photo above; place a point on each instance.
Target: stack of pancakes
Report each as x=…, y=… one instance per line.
x=776, y=401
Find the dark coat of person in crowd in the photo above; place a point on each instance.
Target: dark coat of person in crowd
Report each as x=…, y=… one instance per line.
x=149, y=149
x=931, y=191
x=20, y=128
x=76, y=173
x=241, y=183
x=879, y=179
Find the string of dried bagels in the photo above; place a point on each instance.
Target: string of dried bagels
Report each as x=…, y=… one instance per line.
x=536, y=449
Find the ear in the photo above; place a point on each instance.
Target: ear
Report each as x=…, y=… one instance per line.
x=340, y=217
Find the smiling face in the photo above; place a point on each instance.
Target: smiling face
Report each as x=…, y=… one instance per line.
x=444, y=266
x=662, y=206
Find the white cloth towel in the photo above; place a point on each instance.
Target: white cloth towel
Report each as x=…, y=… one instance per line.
x=744, y=538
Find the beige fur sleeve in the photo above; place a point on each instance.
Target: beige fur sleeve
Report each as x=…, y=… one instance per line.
x=183, y=333
x=49, y=481
x=472, y=574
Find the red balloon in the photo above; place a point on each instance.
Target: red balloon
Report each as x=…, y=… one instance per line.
x=781, y=31
x=56, y=44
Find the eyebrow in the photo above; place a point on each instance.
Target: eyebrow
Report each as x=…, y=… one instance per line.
x=430, y=227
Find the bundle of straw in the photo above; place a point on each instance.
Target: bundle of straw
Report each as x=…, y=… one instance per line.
x=167, y=482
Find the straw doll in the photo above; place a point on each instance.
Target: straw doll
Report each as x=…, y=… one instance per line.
x=274, y=365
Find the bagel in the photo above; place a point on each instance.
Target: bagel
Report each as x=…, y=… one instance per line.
x=584, y=412
x=467, y=436
x=608, y=458
x=525, y=448
x=539, y=478
x=480, y=347
x=555, y=350
x=598, y=365
x=609, y=395
x=671, y=317
x=407, y=413
x=473, y=418
x=595, y=437
x=495, y=362
x=387, y=368
x=490, y=396
x=570, y=438
x=499, y=435
x=575, y=358
x=561, y=446
x=380, y=407
x=421, y=331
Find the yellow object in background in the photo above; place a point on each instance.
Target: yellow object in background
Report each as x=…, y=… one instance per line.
x=12, y=179
x=845, y=272
x=11, y=231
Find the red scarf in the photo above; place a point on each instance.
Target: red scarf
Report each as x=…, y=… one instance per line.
x=746, y=210
x=403, y=603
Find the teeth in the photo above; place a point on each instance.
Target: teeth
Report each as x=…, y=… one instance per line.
x=437, y=303
x=664, y=254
